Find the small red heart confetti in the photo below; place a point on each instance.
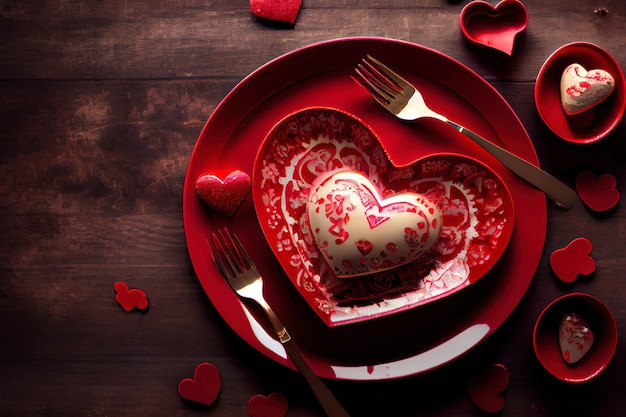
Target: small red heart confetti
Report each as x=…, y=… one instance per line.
x=278, y=10
x=130, y=299
x=598, y=193
x=486, y=389
x=204, y=387
x=224, y=196
x=274, y=405
x=573, y=260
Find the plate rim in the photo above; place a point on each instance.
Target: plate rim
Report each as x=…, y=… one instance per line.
x=239, y=319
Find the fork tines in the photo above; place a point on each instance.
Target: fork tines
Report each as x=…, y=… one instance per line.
x=380, y=80
x=229, y=254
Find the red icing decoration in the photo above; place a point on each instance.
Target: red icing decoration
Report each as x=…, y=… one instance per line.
x=204, y=387
x=274, y=405
x=278, y=10
x=486, y=389
x=224, y=196
x=598, y=193
x=130, y=299
x=573, y=260
x=494, y=27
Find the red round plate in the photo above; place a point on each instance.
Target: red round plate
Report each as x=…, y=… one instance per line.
x=477, y=213
x=398, y=345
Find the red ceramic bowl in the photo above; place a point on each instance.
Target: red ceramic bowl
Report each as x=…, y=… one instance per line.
x=546, y=337
x=593, y=124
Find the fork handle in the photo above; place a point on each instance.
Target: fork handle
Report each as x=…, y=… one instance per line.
x=328, y=401
x=560, y=193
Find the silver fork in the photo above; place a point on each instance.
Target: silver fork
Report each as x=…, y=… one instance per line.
x=406, y=102
x=239, y=270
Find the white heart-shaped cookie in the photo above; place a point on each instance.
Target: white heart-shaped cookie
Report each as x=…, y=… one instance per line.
x=360, y=232
x=582, y=89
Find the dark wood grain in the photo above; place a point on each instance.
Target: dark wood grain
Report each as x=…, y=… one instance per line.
x=101, y=104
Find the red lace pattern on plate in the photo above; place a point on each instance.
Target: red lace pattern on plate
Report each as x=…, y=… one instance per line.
x=474, y=203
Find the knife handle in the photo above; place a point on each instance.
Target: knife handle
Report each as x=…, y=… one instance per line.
x=328, y=401
x=557, y=191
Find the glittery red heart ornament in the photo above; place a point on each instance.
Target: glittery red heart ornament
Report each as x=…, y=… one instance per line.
x=486, y=389
x=278, y=10
x=130, y=299
x=573, y=260
x=598, y=193
x=224, y=196
x=274, y=405
x=204, y=387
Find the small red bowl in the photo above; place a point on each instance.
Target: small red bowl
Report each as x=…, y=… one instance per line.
x=494, y=27
x=546, y=337
x=591, y=125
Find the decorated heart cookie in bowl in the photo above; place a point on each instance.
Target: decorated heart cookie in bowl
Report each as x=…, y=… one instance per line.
x=582, y=89
x=466, y=222
x=580, y=93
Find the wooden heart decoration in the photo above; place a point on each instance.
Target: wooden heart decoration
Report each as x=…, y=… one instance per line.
x=575, y=337
x=581, y=89
x=277, y=10
x=486, y=389
x=359, y=232
x=130, y=299
x=224, y=196
x=598, y=193
x=204, y=387
x=494, y=27
x=573, y=260
x=274, y=405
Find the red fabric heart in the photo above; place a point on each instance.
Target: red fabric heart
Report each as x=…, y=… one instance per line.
x=130, y=299
x=274, y=405
x=573, y=260
x=494, y=27
x=598, y=193
x=224, y=196
x=204, y=387
x=486, y=389
x=278, y=10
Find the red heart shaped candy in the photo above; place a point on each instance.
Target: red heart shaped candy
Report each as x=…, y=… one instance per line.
x=598, y=193
x=224, y=196
x=204, y=387
x=278, y=10
x=573, y=260
x=274, y=405
x=486, y=389
x=495, y=27
x=130, y=299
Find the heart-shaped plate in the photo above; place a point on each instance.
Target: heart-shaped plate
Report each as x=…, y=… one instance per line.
x=477, y=215
x=494, y=27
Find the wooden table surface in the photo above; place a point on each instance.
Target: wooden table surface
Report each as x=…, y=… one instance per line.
x=101, y=103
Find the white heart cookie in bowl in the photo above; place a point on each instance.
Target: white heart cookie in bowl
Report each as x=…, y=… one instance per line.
x=581, y=89
x=359, y=232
